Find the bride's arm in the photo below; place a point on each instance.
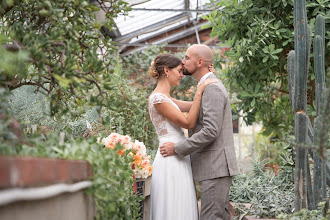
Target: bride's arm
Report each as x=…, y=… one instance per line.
x=175, y=116
x=184, y=106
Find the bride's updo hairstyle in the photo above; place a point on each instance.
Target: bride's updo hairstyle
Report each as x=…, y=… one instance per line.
x=156, y=70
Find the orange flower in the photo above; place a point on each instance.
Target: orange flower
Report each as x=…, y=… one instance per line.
x=150, y=170
x=137, y=160
x=121, y=152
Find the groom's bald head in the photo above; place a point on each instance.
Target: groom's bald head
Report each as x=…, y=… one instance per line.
x=203, y=52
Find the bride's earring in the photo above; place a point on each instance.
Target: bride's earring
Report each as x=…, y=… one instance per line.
x=166, y=71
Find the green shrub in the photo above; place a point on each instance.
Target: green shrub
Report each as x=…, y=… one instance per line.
x=304, y=214
x=268, y=194
x=125, y=111
x=260, y=35
x=272, y=148
x=63, y=47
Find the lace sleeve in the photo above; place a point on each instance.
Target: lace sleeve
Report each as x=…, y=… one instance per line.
x=157, y=119
x=157, y=98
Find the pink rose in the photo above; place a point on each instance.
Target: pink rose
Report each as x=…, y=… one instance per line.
x=127, y=139
x=114, y=136
x=110, y=144
x=121, y=140
x=145, y=163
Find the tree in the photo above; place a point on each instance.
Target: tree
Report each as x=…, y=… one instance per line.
x=260, y=34
x=66, y=56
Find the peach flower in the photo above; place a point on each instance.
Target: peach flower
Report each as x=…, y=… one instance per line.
x=137, y=160
x=145, y=163
x=127, y=139
x=114, y=136
x=149, y=170
x=110, y=144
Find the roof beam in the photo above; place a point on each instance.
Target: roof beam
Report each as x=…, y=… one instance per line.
x=168, y=39
x=135, y=2
x=165, y=45
x=183, y=23
x=173, y=10
x=153, y=27
x=182, y=34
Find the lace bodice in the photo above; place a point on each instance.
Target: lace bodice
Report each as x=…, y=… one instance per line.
x=162, y=125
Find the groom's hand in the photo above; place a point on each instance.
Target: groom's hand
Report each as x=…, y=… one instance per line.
x=167, y=149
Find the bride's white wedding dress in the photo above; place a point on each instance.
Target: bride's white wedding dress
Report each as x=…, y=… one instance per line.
x=173, y=195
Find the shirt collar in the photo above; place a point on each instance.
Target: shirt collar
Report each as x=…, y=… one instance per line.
x=204, y=77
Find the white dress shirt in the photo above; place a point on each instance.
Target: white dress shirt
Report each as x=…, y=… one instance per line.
x=204, y=77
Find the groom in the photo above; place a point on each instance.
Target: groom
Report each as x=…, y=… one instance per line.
x=210, y=143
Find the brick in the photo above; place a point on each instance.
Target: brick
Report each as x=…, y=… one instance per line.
x=4, y=172
x=24, y=171
x=83, y=171
x=89, y=170
x=62, y=170
x=29, y=171
x=47, y=171
x=78, y=170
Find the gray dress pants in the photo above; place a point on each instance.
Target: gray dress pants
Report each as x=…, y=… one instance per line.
x=215, y=198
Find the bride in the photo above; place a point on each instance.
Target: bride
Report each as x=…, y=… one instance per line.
x=173, y=195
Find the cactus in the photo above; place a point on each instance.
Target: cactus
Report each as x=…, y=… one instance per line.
x=301, y=42
x=301, y=163
x=291, y=59
x=319, y=43
x=319, y=165
x=309, y=43
x=301, y=49
x=320, y=28
x=306, y=195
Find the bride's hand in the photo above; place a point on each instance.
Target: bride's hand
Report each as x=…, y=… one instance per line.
x=207, y=82
x=211, y=68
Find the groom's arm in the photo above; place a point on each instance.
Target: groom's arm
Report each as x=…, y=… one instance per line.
x=213, y=104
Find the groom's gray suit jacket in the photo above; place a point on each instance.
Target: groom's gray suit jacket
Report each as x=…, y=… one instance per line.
x=211, y=143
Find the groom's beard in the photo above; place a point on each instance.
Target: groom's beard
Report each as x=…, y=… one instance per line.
x=186, y=72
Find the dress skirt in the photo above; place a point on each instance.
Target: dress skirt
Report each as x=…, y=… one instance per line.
x=173, y=194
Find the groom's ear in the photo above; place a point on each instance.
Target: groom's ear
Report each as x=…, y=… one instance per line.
x=200, y=62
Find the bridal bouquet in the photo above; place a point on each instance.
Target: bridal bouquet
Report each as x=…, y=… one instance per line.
x=141, y=161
